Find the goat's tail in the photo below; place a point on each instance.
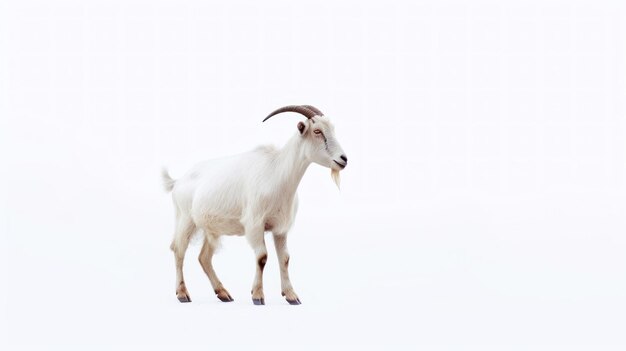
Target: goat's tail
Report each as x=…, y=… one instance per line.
x=168, y=182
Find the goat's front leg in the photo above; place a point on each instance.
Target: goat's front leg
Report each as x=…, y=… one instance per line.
x=280, y=242
x=257, y=241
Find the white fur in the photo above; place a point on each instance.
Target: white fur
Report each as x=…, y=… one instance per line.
x=250, y=193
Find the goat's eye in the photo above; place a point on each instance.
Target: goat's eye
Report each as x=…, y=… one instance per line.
x=317, y=131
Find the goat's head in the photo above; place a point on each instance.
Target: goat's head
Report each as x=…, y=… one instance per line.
x=318, y=138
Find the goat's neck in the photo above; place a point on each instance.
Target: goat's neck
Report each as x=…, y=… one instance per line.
x=291, y=164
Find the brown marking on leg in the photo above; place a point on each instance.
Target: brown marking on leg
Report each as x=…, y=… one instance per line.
x=262, y=261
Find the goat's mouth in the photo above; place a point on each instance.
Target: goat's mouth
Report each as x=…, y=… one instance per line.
x=341, y=165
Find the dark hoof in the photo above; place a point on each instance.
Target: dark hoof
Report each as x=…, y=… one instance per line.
x=294, y=302
x=225, y=299
x=223, y=295
x=258, y=301
x=184, y=299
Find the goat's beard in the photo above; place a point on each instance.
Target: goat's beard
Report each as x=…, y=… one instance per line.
x=335, y=175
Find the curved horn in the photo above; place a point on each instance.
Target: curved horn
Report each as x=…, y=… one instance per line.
x=293, y=108
x=314, y=109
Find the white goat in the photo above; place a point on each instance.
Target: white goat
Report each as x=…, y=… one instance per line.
x=249, y=194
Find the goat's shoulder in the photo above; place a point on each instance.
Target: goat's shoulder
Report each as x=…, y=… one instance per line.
x=265, y=151
x=259, y=159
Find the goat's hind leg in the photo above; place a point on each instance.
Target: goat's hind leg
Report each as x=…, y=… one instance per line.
x=184, y=230
x=205, y=258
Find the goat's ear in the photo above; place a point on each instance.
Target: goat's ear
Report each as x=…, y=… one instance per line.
x=302, y=128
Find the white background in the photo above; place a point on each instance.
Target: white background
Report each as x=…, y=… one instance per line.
x=483, y=207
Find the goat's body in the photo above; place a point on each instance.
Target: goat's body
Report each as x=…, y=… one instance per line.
x=216, y=194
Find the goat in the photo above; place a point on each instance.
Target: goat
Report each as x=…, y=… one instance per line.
x=249, y=194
